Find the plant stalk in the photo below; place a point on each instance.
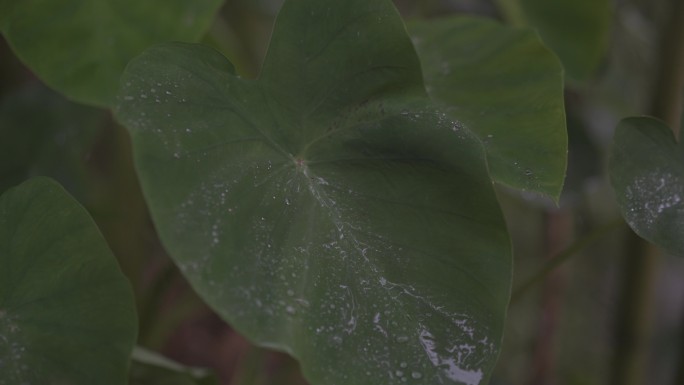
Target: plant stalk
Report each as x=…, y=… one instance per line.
x=558, y=259
x=641, y=266
x=667, y=100
x=633, y=318
x=558, y=226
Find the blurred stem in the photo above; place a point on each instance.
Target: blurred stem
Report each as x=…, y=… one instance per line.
x=666, y=102
x=561, y=257
x=250, y=371
x=633, y=318
x=558, y=229
x=151, y=307
x=251, y=33
x=119, y=209
x=187, y=304
x=634, y=312
x=222, y=37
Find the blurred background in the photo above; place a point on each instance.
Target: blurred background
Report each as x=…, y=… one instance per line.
x=565, y=328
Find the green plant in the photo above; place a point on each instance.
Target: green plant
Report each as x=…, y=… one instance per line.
x=342, y=207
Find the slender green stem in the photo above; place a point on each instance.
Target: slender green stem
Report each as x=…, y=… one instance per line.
x=560, y=258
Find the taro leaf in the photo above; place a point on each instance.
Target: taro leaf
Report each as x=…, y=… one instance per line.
x=67, y=314
x=80, y=47
x=507, y=88
x=149, y=368
x=647, y=173
x=576, y=30
x=326, y=209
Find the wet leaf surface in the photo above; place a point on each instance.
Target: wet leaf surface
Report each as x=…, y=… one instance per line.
x=647, y=173
x=328, y=209
x=507, y=88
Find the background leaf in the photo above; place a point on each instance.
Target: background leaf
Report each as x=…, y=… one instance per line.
x=327, y=209
x=80, y=47
x=647, y=174
x=507, y=88
x=67, y=314
x=576, y=30
x=42, y=133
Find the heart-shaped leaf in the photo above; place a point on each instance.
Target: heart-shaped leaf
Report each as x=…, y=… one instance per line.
x=67, y=314
x=647, y=173
x=327, y=209
x=507, y=88
x=80, y=47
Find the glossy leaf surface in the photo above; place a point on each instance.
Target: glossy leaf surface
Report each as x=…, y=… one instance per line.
x=80, y=47
x=647, y=174
x=507, y=88
x=67, y=314
x=327, y=209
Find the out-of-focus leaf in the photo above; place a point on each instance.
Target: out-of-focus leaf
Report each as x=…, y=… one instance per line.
x=67, y=314
x=80, y=47
x=328, y=209
x=507, y=88
x=41, y=133
x=577, y=30
x=647, y=174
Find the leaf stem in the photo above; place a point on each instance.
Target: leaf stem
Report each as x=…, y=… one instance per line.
x=560, y=258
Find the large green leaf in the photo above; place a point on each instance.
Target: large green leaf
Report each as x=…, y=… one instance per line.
x=647, y=173
x=507, y=88
x=67, y=314
x=327, y=209
x=577, y=30
x=80, y=47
